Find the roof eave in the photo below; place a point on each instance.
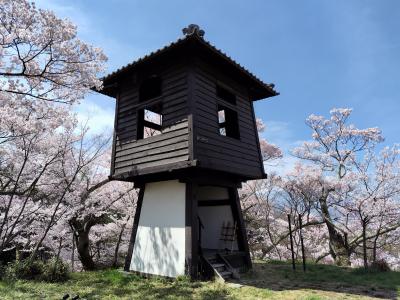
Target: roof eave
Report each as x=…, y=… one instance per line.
x=264, y=90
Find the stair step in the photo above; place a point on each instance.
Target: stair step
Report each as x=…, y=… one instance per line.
x=217, y=265
x=226, y=274
x=210, y=257
x=221, y=269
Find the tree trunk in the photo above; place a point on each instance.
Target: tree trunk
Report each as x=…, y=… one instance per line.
x=73, y=252
x=272, y=241
x=375, y=245
x=57, y=257
x=51, y=222
x=338, y=245
x=115, y=261
x=83, y=247
x=81, y=230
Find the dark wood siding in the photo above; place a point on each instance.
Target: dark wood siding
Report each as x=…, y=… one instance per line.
x=169, y=147
x=190, y=124
x=212, y=149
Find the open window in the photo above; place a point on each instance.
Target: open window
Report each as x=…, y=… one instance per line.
x=225, y=95
x=150, y=88
x=149, y=122
x=228, y=122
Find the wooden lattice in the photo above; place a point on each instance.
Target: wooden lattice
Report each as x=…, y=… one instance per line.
x=228, y=234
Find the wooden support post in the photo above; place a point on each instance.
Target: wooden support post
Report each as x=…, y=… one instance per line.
x=302, y=243
x=192, y=230
x=241, y=228
x=134, y=228
x=291, y=242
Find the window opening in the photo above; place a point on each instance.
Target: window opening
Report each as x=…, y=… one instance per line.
x=228, y=122
x=150, y=88
x=149, y=122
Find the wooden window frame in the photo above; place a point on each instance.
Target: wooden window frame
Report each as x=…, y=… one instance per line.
x=142, y=122
x=230, y=123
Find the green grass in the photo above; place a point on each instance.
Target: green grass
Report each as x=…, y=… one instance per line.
x=324, y=279
x=266, y=281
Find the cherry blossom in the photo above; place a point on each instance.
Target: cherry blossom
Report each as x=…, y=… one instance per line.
x=41, y=56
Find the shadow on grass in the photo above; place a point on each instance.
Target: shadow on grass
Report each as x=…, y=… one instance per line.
x=279, y=276
x=267, y=278
x=131, y=286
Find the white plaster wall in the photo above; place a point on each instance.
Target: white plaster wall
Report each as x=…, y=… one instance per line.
x=159, y=247
x=212, y=218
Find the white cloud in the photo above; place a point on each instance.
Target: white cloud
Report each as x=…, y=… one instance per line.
x=99, y=118
x=118, y=52
x=278, y=132
x=281, y=134
x=64, y=10
x=282, y=166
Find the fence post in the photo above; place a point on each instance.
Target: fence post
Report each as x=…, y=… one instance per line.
x=291, y=242
x=302, y=243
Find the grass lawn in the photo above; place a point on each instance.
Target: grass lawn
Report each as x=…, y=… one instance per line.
x=266, y=281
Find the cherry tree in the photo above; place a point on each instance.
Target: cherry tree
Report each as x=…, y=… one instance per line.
x=26, y=163
x=42, y=62
x=335, y=143
x=49, y=168
x=269, y=152
x=346, y=192
x=41, y=57
x=266, y=204
x=258, y=199
x=338, y=150
x=302, y=188
x=103, y=204
x=57, y=181
x=374, y=202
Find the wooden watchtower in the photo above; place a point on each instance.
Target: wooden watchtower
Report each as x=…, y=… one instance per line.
x=185, y=134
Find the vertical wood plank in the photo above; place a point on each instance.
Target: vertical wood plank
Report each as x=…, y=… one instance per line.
x=191, y=138
x=114, y=141
x=257, y=138
x=191, y=229
x=238, y=216
x=191, y=101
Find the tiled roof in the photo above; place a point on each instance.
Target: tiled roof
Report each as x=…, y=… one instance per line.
x=166, y=48
x=144, y=58
x=270, y=86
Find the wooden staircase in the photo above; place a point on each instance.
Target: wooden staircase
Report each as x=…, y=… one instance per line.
x=221, y=268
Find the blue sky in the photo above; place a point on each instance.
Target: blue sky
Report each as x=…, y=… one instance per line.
x=319, y=53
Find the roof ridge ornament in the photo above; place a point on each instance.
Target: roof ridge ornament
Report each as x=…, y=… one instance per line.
x=193, y=29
